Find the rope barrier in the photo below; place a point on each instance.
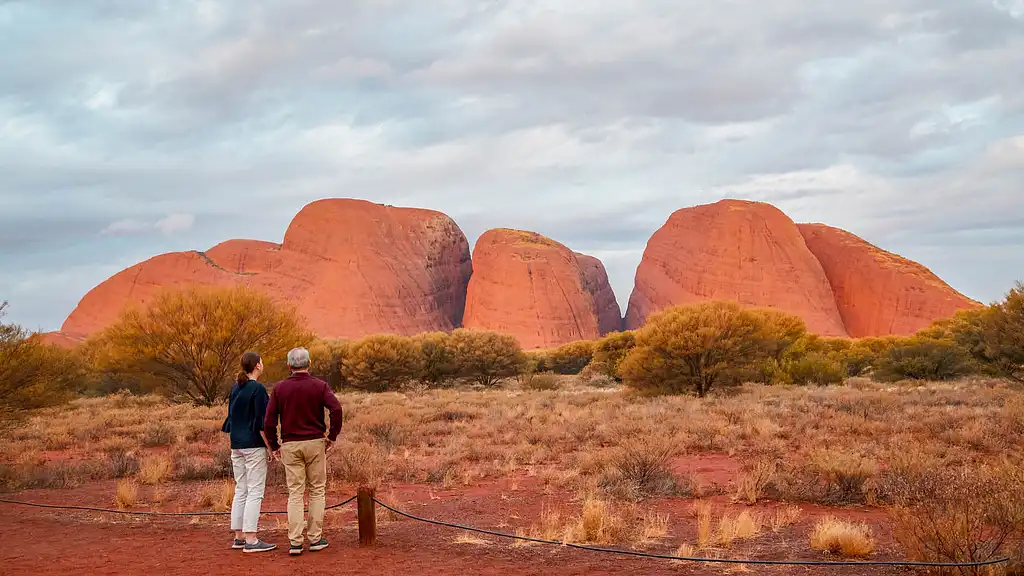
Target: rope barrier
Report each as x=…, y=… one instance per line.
x=697, y=559
x=142, y=513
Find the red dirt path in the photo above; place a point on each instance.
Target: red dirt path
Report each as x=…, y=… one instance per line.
x=52, y=542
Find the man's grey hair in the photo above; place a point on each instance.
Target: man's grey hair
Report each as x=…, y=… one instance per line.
x=298, y=358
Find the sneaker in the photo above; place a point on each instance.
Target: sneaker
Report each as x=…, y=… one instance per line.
x=259, y=546
x=238, y=544
x=295, y=550
x=318, y=546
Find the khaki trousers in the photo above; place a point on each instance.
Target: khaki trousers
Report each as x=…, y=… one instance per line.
x=305, y=463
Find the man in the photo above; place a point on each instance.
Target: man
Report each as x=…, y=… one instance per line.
x=299, y=401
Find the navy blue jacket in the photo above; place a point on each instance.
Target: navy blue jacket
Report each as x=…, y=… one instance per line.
x=247, y=407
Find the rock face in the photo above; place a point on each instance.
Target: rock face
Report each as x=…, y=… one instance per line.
x=880, y=293
x=595, y=281
x=746, y=252
x=353, y=268
x=537, y=290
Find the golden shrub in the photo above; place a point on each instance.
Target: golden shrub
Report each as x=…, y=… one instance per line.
x=570, y=358
x=691, y=348
x=383, y=362
x=487, y=357
x=190, y=341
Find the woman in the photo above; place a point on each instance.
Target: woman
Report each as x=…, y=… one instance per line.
x=249, y=455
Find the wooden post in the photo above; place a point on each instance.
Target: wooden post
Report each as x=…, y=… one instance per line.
x=367, y=516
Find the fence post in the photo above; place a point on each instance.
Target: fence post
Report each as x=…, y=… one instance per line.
x=367, y=516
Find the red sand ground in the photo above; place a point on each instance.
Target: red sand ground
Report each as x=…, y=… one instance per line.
x=51, y=542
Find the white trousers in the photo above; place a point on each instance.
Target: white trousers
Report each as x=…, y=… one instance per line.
x=250, y=466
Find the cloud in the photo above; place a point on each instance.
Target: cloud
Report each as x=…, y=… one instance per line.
x=175, y=223
x=170, y=224
x=175, y=126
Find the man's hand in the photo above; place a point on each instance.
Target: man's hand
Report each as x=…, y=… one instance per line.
x=328, y=444
x=275, y=455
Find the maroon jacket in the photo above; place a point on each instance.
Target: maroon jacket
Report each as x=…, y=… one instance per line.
x=300, y=400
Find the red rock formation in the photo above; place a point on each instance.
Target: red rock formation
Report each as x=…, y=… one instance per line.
x=353, y=268
x=880, y=293
x=535, y=289
x=138, y=284
x=746, y=252
x=595, y=281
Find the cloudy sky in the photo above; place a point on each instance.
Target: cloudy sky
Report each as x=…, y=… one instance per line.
x=130, y=128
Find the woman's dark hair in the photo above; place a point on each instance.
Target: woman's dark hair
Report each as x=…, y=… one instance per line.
x=249, y=362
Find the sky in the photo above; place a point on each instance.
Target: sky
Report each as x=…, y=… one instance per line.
x=131, y=128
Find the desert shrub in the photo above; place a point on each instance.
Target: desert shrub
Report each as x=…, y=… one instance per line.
x=327, y=361
x=217, y=497
x=122, y=464
x=918, y=358
x=570, y=358
x=541, y=382
x=754, y=479
x=439, y=367
x=596, y=375
x=844, y=477
x=814, y=368
x=358, y=464
x=190, y=341
x=387, y=431
x=158, y=434
x=691, y=348
x=486, y=357
x=611, y=349
x=960, y=514
x=994, y=336
x=780, y=331
x=851, y=539
x=154, y=469
x=383, y=362
x=641, y=469
x=864, y=355
x=33, y=374
x=192, y=468
x=598, y=523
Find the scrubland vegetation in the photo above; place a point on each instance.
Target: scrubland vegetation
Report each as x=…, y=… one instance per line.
x=928, y=428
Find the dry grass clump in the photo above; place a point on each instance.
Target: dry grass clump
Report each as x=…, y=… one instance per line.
x=154, y=470
x=850, y=539
x=754, y=480
x=598, y=523
x=159, y=434
x=743, y=526
x=703, y=515
x=217, y=497
x=640, y=469
x=123, y=464
x=785, y=516
x=127, y=494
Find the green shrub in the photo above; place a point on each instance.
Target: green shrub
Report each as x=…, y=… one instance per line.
x=611, y=349
x=487, y=357
x=382, y=363
x=327, y=361
x=918, y=358
x=994, y=336
x=691, y=348
x=814, y=368
x=33, y=374
x=439, y=366
x=570, y=358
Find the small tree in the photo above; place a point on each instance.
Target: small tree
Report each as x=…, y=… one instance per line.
x=780, y=331
x=487, y=357
x=328, y=361
x=994, y=336
x=571, y=358
x=688, y=349
x=382, y=363
x=918, y=358
x=190, y=341
x=33, y=374
x=439, y=366
x=611, y=349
